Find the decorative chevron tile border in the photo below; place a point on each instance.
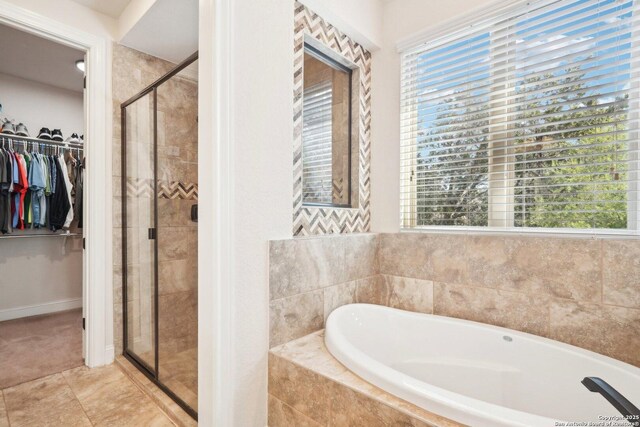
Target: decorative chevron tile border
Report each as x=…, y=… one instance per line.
x=177, y=190
x=166, y=189
x=308, y=220
x=139, y=188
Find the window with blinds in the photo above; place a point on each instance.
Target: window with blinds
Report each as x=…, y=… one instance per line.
x=316, y=143
x=528, y=119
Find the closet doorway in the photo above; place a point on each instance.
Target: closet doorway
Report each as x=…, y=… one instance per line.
x=159, y=232
x=42, y=115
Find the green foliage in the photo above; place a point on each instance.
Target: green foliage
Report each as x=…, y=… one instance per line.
x=567, y=159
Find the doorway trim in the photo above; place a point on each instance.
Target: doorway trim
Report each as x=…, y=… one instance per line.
x=97, y=287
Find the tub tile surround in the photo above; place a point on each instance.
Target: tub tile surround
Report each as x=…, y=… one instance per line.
x=308, y=387
x=311, y=276
x=582, y=291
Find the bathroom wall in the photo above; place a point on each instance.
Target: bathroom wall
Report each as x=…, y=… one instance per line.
x=582, y=291
x=40, y=105
x=177, y=234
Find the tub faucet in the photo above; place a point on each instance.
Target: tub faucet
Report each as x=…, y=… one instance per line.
x=626, y=408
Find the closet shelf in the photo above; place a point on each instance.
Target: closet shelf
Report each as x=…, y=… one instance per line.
x=24, y=236
x=42, y=141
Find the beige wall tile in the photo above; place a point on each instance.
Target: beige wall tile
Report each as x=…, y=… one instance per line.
x=177, y=276
x=4, y=421
x=438, y=257
x=621, y=272
x=177, y=321
x=338, y=295
x=360, y=258
x=410, y=294
x=303, y=390
x=301, y=265
x=372, y=290
x=609, y=330
x=561, y=267
x=350, y=408
x=295, y=316
x=283, y=415
x=403, y=254
x=522, y=312
x=172, y=243
x=47, y=401
x=527, y=264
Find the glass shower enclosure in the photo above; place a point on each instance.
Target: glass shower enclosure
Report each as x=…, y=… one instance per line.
x=159, y=232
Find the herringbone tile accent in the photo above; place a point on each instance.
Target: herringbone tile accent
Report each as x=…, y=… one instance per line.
x=143, y=188
x=177, y=190
x=309, y=220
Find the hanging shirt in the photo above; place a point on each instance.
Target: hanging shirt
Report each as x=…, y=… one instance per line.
x=59, y=206
x=68, y=189
x=5, y=178
x=20, y=186
x=36, y=186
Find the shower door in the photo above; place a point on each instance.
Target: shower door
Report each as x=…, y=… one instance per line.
x=139, y=224
x=159, y=202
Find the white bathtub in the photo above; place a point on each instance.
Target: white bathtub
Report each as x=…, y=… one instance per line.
x=473, y=373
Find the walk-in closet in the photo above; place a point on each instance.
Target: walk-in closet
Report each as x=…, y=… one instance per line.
x=42, y=172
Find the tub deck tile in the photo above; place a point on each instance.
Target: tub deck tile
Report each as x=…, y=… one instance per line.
x=353, y=401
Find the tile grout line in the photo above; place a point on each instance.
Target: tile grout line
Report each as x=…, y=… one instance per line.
x=146, y=392
x=64, y=377
x=6, y=409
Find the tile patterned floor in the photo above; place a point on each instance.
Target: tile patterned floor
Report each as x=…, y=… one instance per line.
x=81, y=396
x=34, y=347
x=179, y=372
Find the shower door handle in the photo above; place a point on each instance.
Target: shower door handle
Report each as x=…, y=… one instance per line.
x=152, y=234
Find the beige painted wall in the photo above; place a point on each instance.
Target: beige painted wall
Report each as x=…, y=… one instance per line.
x=40, y=271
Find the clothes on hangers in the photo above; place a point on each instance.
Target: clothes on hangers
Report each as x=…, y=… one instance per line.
x=68, y=189
x=79, y=187
x=5, y=181
x=38, y=190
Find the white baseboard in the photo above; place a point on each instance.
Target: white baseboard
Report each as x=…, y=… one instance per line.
x=34, y=310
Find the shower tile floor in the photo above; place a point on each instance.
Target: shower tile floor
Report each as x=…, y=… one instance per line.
x=179, y=372
x=102, y=396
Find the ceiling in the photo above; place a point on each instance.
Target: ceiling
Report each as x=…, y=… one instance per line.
x=166, y=31
x=34, y=58
x=112, y=8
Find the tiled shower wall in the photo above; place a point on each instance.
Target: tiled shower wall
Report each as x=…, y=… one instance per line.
x=177, y=163
x=583, y=291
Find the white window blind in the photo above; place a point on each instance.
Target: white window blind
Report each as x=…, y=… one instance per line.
x=316, y=143
x=525, y=120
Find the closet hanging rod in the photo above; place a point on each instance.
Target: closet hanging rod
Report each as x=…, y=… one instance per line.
x=23, y=236
x=42, y=141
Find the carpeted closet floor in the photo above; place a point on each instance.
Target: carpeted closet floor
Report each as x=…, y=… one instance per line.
x=34, y=347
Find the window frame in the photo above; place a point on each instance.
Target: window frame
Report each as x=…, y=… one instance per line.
x=440, y=36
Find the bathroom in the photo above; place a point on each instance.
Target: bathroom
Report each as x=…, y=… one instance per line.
x=393, y=212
